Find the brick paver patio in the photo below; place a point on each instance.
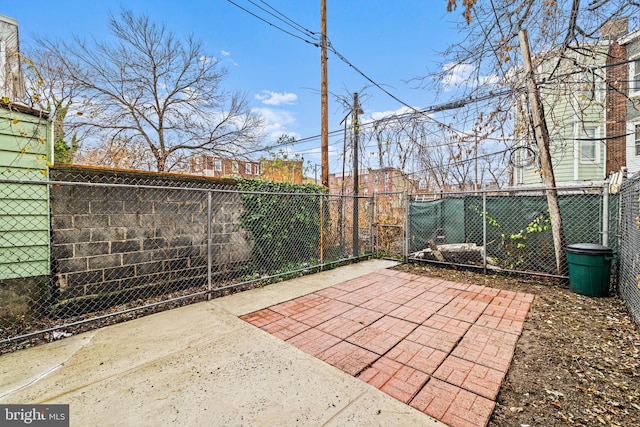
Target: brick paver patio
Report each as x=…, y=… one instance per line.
x=441, y=347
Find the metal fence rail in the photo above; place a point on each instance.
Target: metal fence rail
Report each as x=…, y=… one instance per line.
x=86, y=246
x=506, y=229
x=111, y=244
x=629, y=251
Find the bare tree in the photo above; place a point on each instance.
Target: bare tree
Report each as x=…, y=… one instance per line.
x=147, y=88
x=47, y=89
x=563, y=36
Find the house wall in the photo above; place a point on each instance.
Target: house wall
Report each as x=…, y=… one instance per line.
x=633, y=111
x=385, y=180
x=633, y=104
x=282, y=170
x=216, y=167
x=25, y=150
x=567, y=110
x=616, y=108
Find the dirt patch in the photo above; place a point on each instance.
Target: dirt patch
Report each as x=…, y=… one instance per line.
x=576, y=363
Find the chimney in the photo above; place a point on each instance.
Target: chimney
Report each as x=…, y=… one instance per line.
x=614, y=28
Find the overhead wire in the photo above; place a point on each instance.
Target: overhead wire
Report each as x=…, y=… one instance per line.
x=332, y=49
x=414, y=111
x=291, y=21
x=314, y=43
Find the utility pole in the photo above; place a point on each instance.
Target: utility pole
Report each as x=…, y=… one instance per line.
x=541, y=135
x=324, y=134
x=356, y=133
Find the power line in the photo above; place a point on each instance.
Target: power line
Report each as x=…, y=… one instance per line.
x=314, y=43
x=350, y=64
x=291, y=21
x=451, y=105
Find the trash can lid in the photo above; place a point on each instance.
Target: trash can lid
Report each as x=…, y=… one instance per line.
x=589, y=248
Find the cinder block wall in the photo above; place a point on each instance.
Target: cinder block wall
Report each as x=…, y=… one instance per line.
x=134, y=240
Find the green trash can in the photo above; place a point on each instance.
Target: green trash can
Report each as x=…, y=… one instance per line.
x=589, y=269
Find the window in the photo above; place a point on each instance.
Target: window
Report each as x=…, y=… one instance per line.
x=234, y=167
x=256, y=169
x=588, y=145
x=634, y=77
x=247, y=168
x=637, y=140
x=217, y=165
x=589, y=88
x=3, y=56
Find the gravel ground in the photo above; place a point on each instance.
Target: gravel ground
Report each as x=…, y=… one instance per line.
x=576, y=363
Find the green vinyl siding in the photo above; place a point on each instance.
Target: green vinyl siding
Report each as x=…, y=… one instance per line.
x=572, y=111
x=25, y=150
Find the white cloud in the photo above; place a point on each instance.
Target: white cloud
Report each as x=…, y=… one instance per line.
x=225, y=53
x=457, y=75
x=277, y=122
x=208, y=59
x=276, y=98
x=379, y=115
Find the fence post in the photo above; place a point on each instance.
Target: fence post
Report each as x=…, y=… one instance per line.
x=355, y=237
x=372, y=219
x=209, y=246
x=605, y=214
x=321, y=231
x=484, y=231
x=406, y=198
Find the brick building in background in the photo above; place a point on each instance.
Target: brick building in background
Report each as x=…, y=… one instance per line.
x=373, y=181
x=283, y=170
x=218, y=167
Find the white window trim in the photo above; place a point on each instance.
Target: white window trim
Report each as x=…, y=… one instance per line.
x=247, y=168
x=4, y=84
x=598, y=94
x=595, y=143
x=633, y=91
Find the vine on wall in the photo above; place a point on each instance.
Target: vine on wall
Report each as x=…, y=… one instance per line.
x=284, y=221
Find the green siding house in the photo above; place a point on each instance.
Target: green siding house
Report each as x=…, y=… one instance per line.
x=25, y=155
x=574, y=108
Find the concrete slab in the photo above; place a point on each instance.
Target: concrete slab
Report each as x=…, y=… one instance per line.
x=201, y=365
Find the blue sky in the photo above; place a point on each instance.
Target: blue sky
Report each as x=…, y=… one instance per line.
x=391, y=42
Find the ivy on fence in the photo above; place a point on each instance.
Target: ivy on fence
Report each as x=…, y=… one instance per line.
x=284, y=221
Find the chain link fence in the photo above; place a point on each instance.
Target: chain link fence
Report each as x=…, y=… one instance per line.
x=94, y=244
x=85, y=245
x=390, y=224
x=507, y=229
x=629, y=250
